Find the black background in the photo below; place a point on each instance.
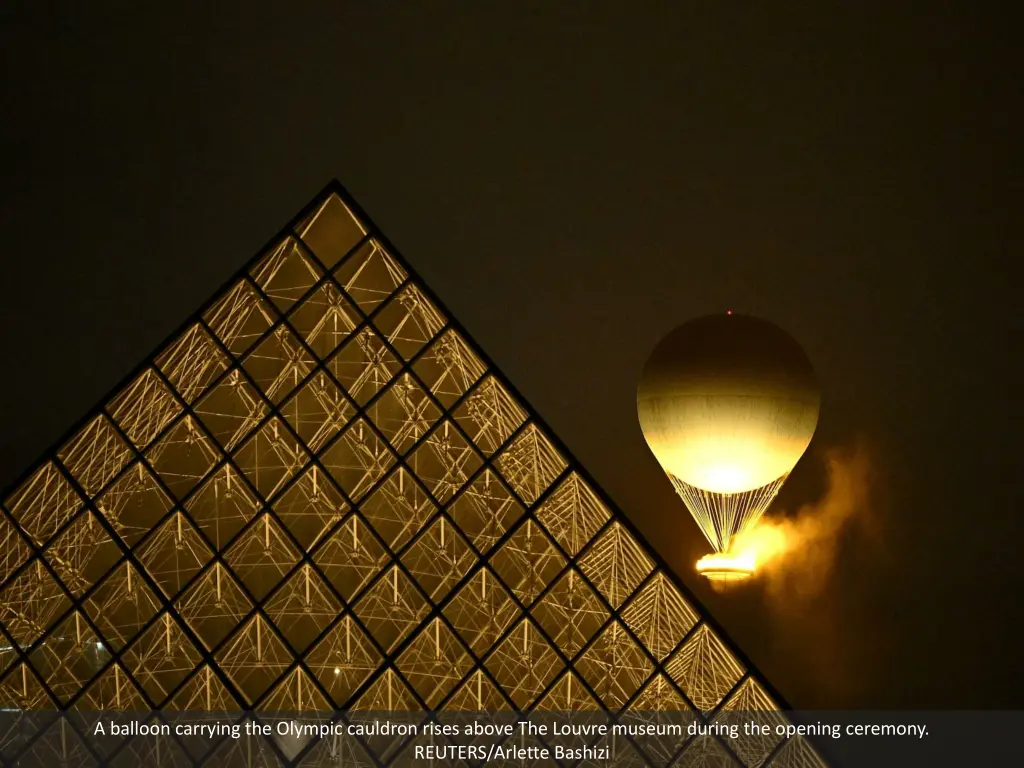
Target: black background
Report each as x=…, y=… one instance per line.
x=574, y=179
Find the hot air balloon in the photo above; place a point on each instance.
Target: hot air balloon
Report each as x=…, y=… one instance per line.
x=728, y=405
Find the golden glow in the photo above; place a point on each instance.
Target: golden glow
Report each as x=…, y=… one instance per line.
x=726, y=566
x=761, y=543
x=724, y=443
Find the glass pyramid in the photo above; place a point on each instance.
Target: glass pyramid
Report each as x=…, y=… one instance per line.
x=321, y=495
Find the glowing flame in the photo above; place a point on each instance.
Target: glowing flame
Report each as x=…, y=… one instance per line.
x=763, y=543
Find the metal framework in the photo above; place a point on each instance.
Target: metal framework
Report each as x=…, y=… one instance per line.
x=320, y=494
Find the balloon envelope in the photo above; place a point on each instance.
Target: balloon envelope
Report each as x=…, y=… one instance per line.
x=728, y=403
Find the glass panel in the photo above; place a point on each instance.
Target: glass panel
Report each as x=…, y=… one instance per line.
x=616, y=564
x=221, y=506
x=704, y=669
x=134, y=503
x=144, y=408
x=481, y=611
x=95, y=454
x=192, y=362
x=161, y=658
x=350, y=557
x=409, y=321
x=325, y=319
x=489, y=415
x=530, y=464
x=485, y=510
x=174, y=554
x=310, y=508
x=262, y=555
x=570, y=613
x=527, y=561
x=370, y=275
x=318, y=411
x=271, y=457
x=364, y=365
x=285, y=273
x=254, y=658
x=231, y=410
x=449, y=367
x=183, y=456
x=438, y=559
x=331, y=231
x=444, y=461
x=358, y=459
x=303, y=608
x=240, y=317
x=343, y=660
x=278, y=364
x=659, y=616
x=391, y=609
x=43, y=503
x=434, y=662
x=614, y=666
x=82, y=553
x=524, y=664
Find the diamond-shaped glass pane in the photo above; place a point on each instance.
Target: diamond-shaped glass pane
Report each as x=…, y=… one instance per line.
x=659, y=616
x=572, y=513
x=161, y=658
x=570, y=613
x=343, y=660
x=30, y=603
x=43, y=503
x=331, y=231
x=325, y=319
x=144, y=408
x=616, y=564
x=404, y=413
x=485, y=510
x=370, y=275
x=350, y=556
x=364, y=365
x=231, y=410
x=221, y=506
x=530, y=464
x=409, y=321
x=481, y=611
x=489, y=415
x=213, y=605
x=174, y=553
x=438, y=559
x=95, y=454
x=444, y=461
x=183, y=456
x=434, y=662
x=358, y=459
x=82, y=553
x=122, y=605
x=271, y=457
x=527, y=562
x=134, y=503
x=310, y=507
x=285, y=273
x=704, y=668
x=254, y=658
x=279, y=364
x=192, y=362
x=524, y=664
x=302, y=607
x=398, y=509
x=391, y=608
x=318, y=411
x=262, y=555
x=240, y=317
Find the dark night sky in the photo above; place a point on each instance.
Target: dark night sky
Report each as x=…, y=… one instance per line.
x=574, y=182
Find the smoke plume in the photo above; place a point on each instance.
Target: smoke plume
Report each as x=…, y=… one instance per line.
x=795, y=553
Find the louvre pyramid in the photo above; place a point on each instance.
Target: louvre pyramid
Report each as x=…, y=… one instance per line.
x=320, y=494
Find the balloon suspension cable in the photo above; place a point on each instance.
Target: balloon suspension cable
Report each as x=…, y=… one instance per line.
x=722, y=515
